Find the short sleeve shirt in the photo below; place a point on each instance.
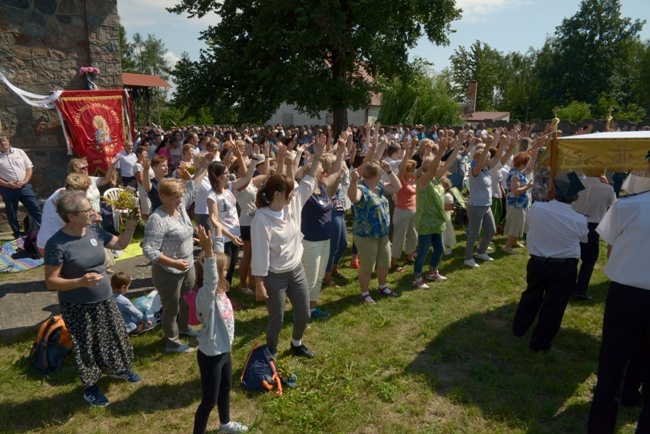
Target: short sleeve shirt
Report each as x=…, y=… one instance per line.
x=80, y=255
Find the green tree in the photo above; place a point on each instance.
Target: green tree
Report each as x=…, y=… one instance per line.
x=126, y=52
x=641, y=88
x=421, y=97
x=316, y=54
x=592, y=53
x=481, y=63
x=518, y=84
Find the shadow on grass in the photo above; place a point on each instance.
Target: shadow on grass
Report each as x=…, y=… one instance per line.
x=478, y=362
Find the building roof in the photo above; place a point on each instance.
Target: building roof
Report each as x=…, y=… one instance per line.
x=143, y=80
x=488, y=116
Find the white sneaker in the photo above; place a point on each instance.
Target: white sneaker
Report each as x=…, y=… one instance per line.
x=180, y=349
x=233, y=427
x=447, y=251
x=471, y=263
x=419, y=283
x=484, y=257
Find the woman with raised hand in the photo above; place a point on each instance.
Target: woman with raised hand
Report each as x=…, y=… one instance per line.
x=169, y=245
x=404, y=215
x=372, y=221
x=479, y=213
x=430, y=218
x=74, y=267
x=222, y=205
x=277, y=253
x=246, y=201
x=316, y=225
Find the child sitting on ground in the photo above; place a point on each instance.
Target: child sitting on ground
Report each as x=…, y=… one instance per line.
x=449, y=235
x=214, y=310
x=136, y=322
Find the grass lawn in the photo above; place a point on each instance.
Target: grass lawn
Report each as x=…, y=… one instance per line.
x=442, y=360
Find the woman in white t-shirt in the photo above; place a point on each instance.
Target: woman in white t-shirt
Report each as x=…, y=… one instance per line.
x=222, y=205
x=246, y=201
x=139, y=174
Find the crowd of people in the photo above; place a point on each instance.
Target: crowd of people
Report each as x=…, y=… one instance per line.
x=281, y=195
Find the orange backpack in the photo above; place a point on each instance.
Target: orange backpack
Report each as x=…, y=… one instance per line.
x=53, y=345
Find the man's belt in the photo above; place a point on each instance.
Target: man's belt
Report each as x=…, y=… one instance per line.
x=555, y=260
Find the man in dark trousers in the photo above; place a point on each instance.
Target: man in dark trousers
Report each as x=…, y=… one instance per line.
x=626, y=323
x=15, y=173
x=555, y=232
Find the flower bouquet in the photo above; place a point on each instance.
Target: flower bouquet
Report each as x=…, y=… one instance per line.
x=126, y=201
x=89, y=72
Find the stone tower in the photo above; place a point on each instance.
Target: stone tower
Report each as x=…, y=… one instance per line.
x=43, y=43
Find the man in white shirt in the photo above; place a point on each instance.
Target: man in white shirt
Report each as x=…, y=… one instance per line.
x=15, y=172
x=126, y=164
x=626, y=323
x=593, y=202
x=554, y=235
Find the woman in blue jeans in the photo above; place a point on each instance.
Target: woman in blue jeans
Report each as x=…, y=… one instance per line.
x=430, y=218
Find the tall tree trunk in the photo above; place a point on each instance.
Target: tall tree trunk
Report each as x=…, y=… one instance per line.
x=339, y=109
x=340, y=120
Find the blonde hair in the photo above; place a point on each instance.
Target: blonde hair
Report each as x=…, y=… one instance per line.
x=77, y=181
x=223, y=262
x=371, y=170
x=171, y=187
x=327, y=161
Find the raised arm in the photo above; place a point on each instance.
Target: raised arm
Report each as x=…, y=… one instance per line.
x=332, y=180
x=497, y=156
x=450, y=159
x=354, y=194
x=395, y=184
x=240, y=184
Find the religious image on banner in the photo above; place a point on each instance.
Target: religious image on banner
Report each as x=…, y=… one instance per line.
x=95, y=123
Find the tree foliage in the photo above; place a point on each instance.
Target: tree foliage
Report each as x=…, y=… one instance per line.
x=316, y=54
x=481, y=63
x=421, y=97
x=591, y=53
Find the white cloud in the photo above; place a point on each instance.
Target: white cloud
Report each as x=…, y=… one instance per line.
x=171, y=58
x=137, y=13
x=479, y=10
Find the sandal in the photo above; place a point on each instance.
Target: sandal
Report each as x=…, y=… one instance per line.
x=398, y=268
x=387, y=292
x=409, y=261
x=338, y=275
x=367, y=299
x=331, y=283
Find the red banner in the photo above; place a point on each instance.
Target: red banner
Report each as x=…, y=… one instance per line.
x=97, y=122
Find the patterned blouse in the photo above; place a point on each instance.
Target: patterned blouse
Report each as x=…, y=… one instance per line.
x=523, y=200
x=171, y=236
x=372, y=216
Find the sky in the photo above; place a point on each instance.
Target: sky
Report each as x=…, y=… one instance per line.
x=505, y=25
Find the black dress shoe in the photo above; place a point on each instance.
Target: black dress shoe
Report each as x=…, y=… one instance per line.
x=581, y=297
x=302, y=351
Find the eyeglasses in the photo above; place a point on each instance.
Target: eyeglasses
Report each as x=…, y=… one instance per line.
x=85, y=211
x=82, y=168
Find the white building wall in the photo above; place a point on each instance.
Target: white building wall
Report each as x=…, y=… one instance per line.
x=287, y=114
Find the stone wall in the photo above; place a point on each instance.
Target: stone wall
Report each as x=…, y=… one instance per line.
x=43, y=43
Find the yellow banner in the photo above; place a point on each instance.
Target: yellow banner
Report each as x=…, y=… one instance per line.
x=617, y=154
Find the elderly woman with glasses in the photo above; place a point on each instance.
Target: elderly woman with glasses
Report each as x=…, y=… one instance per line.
x=74, y=267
